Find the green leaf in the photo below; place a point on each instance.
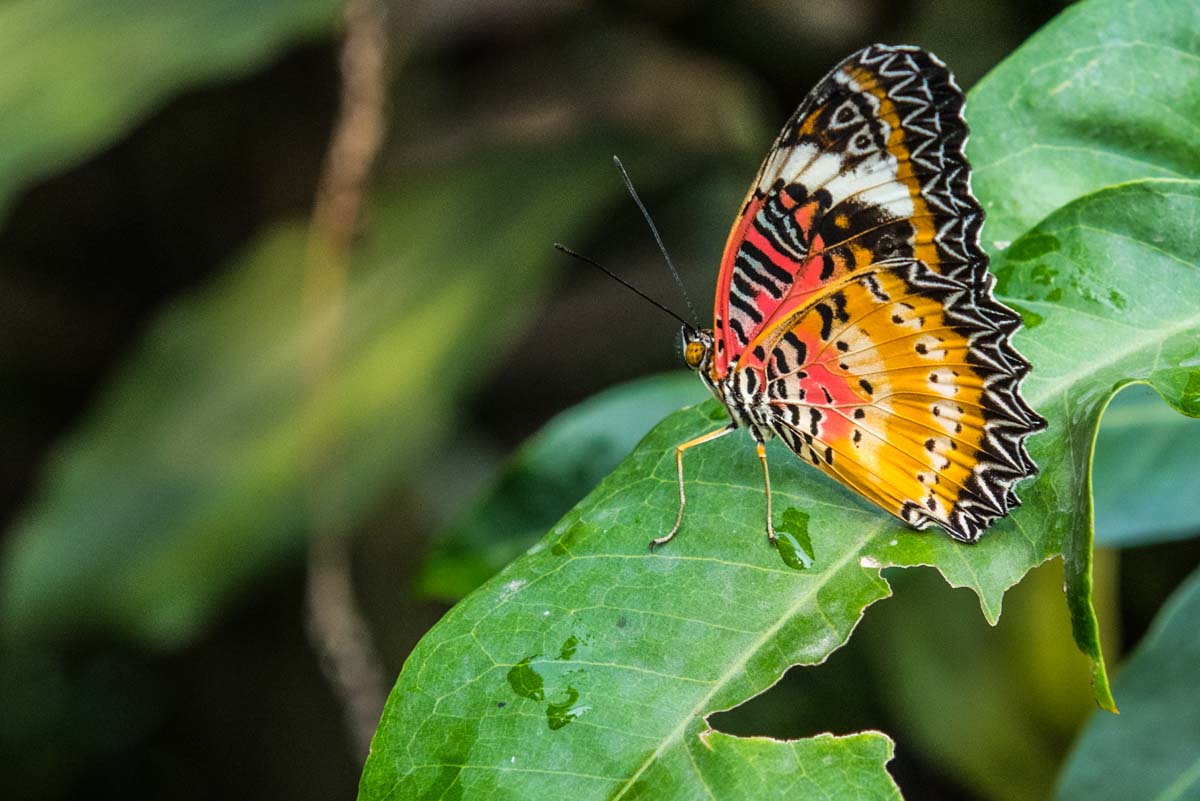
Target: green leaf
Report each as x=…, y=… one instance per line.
x=1144, y=479
x=1152, y=750
x=551, y=471
x=190, y=477
x=1105, y=332
x=716, y=617
x=76, y=74
x=1103, y=94
x=759, y=767
x=650, y=647
x=1145, y=487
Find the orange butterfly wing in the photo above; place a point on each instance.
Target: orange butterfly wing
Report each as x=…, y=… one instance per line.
x=876, y=384
x=854, y=288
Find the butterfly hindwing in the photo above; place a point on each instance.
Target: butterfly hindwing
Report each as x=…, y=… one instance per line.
x=875, y=383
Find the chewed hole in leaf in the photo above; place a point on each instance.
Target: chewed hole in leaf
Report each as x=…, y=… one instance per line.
x=897, y=674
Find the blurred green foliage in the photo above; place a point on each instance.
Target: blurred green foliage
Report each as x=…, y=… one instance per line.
x=190, y=478
x=543, y=480
x=1150, y=750
x=76, y=74
x=206, y=438
x=1144, y=480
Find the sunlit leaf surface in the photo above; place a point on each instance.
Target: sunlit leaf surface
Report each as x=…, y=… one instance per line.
x=1103, y=94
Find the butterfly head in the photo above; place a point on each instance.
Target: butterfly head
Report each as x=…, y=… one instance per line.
x=697, y=346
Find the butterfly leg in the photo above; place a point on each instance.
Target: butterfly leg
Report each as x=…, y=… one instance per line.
x=762, y=457
x=679, y=449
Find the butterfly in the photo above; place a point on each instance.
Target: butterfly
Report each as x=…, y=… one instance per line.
x=854, y=315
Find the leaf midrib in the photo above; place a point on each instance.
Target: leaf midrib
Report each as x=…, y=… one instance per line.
x=767, y=635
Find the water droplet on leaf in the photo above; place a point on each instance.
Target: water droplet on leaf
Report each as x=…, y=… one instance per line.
x=795, y=546
x=525, y=681
x=568, y=648
x=559, y=715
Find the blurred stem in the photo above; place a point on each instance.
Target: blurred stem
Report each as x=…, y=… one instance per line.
x=338, y=631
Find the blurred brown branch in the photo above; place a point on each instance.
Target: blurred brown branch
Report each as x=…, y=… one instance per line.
x=339, y=633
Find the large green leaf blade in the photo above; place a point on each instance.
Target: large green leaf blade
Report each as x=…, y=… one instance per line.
x=1103, y=94
x=1102, y=333
x=662, y=640
x=633, y=641
x=1149, y=751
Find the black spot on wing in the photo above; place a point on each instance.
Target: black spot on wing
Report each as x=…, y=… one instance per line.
x=736, y=328
x=839, y=307
x=745, y=307
x=826, y=315
x=801, y=351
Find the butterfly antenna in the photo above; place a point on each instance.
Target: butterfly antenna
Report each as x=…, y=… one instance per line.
x=623, y=283
x=658, y=239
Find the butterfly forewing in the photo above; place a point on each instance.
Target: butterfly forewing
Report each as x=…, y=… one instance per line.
x=855, y=299
x=869, y=167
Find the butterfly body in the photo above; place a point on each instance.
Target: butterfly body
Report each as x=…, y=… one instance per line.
x=854, y=314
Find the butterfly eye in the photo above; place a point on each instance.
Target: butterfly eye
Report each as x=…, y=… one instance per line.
x=693, y=354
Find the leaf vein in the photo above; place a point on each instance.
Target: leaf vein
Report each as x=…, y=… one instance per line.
x=739, y=664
